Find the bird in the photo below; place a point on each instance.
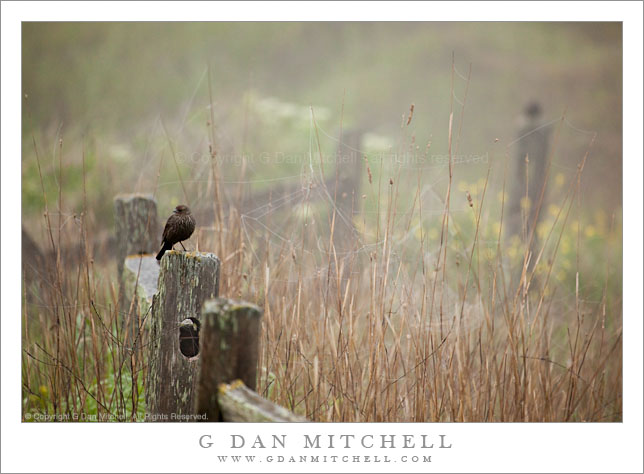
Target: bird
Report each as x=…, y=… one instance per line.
x=179, y=227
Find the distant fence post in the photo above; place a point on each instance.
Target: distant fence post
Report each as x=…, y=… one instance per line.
x=529, y=167
x=137, y=226
x=229, y=350
x=350, y=170
x=186, y=281
x=344, y=187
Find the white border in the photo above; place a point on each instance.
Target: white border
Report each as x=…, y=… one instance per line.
x=615, y=447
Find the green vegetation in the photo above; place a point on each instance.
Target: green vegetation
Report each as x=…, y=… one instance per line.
x=442, y=317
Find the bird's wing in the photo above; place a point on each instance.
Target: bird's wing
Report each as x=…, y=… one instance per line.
x=167, y=227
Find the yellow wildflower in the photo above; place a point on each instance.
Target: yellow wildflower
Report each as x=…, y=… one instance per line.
x=525, y=203
x=559, y=179
x=542, y=229
x=553, y=210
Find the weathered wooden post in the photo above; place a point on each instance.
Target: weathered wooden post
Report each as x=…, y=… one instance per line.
x=137, y=226
x=229, y=350
x=137, y=239
x=33, y=268
x=238, y=403
x=195, y=346
x=345, y=188
x=140, y=279
x=529, y=168
x=186, y=281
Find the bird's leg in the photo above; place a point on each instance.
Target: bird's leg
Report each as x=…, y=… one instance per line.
x=184, y=249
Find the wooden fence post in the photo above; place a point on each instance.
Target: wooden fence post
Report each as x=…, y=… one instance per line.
x=137, y=226
x=345, y=188
x=140, y=280
x=229, y=340
x=531, y=152
x=194, y=348
x=186, y=281
x=137, y=235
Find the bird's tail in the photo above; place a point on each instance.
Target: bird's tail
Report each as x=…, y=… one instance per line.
x=166, y=246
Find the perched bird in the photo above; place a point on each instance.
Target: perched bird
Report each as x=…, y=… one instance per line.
x=179, y=227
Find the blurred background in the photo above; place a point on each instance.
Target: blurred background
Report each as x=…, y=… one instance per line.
x=247, y=122
x=137, y=101
x=113, y=83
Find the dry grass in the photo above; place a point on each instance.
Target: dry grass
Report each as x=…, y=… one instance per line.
x=397, y=329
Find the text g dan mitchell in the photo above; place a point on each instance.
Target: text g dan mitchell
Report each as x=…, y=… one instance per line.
x=347, y=441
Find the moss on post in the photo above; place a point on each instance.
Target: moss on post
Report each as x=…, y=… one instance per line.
x=186, y=280
x=229, y=350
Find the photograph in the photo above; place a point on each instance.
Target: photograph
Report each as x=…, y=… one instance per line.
x=339, y=221
x=309, y=237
